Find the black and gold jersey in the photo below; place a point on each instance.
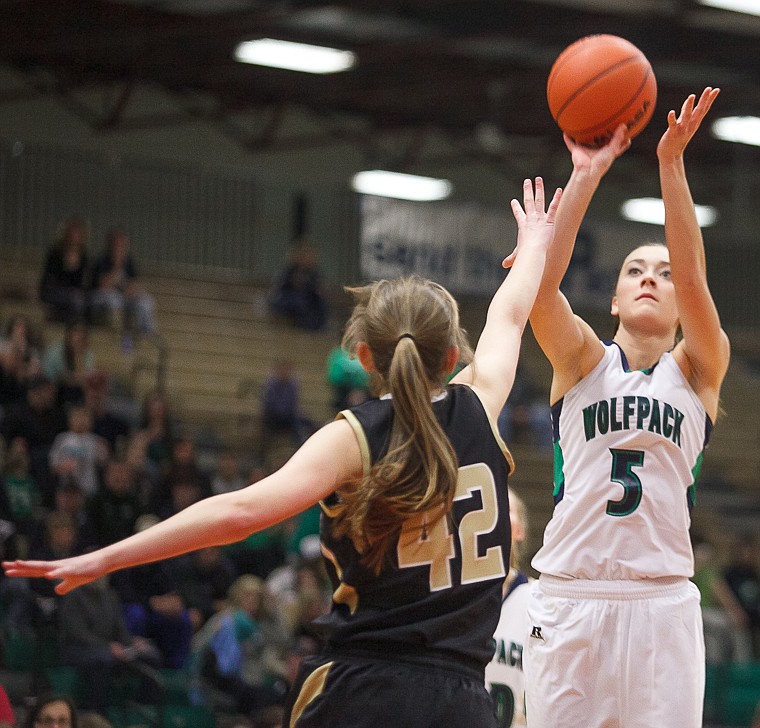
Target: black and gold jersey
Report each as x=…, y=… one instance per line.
x=438, y=598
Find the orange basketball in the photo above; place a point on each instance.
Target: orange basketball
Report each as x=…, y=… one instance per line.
x=596, y=84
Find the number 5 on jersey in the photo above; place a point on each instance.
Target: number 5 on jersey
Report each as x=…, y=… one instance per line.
x=623, y=462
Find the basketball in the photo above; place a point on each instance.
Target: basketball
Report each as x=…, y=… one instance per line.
x=596, y=84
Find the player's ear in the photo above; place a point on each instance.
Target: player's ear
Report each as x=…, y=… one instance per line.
x=364, y=355
x=614, y=310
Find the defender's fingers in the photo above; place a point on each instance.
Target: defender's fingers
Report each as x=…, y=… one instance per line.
x=528, y=198
x=540, y=194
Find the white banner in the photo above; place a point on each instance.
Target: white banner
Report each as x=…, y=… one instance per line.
x=461, y=246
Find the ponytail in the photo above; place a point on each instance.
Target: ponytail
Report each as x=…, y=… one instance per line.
x=418, y=473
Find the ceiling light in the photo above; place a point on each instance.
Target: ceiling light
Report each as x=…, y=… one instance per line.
x=401, y=186
x=652, y=210
x=294, y=56
x=751, y=7
x=739, y=129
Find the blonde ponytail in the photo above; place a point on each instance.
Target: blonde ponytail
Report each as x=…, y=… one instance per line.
x=410, y=326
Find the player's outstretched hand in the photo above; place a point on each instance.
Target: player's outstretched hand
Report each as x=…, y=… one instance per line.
x=535, y=224
x=683, y=127
x=71, y=573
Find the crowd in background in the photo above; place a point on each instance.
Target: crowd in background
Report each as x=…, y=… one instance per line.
x=105, y=289
x=81, y=469
x=77, y=475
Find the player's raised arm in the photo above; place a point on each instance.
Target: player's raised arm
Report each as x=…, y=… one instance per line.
x=704, y=343
x=492, y=370
x=568, y=342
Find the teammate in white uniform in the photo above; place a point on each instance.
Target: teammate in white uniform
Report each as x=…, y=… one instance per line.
x=504, y=674
x=615, y=628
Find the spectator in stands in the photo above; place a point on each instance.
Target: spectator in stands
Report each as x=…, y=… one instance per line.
x=240, y=650
x=22, y=495
x=157, y=429
x=183, y=482
x=12, y=381
x=20, y=360
x=184, y=462
x=68, y=361
x=117, y=292
x=228, y=476
x=52, y=710
x=727, y=636
x=69, y=499
x=183, y=489
x=94, y=638
x=144, y=474
x=349, y=381
x=78, y=452
x=281, y=408
x=154, y=607
x=38, y=420
x=205, y=576
x=65, y=274
x=19, y=337
x=105, y=423
x=115, y=507
x=298, y=294
x=742, y=574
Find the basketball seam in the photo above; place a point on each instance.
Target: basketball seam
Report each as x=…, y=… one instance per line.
x=593, y=80
x=623, y=108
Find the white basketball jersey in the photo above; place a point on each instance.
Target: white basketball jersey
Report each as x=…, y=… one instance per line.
x=627, y=451
x=504, y=674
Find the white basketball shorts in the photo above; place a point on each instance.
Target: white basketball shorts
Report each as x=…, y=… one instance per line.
x=614, y=654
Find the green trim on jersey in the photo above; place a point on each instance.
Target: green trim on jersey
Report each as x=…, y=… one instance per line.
x=559, y=465
x=692, y=489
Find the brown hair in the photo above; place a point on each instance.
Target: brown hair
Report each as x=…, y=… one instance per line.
x=46, y=699
x=409, y=324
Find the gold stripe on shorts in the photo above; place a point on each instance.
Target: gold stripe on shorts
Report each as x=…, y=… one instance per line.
x=312, y=688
